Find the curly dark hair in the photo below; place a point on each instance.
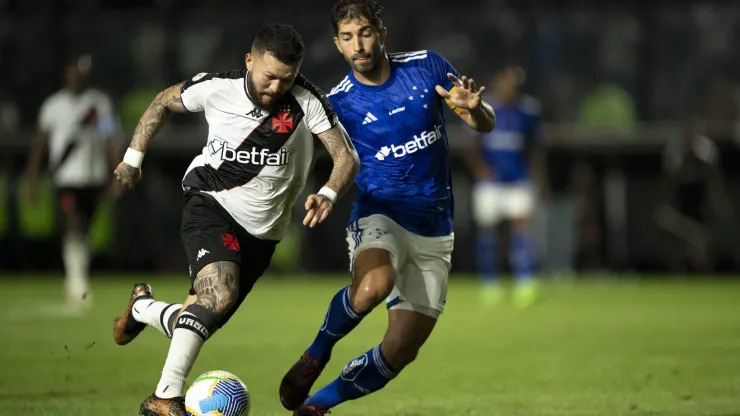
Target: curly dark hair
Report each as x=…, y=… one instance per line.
x=356, y=9
x=282, y=41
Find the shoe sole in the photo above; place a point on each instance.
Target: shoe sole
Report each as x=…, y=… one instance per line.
x=127, y=337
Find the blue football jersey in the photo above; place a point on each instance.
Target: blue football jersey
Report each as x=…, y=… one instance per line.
x=505, y=149
x=398, y=129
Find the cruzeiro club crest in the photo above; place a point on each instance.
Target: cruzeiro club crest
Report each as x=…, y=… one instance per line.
x=352, y=370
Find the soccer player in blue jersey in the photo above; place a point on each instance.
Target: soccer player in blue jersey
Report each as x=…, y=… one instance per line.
x=505, y=185
x=400, y=234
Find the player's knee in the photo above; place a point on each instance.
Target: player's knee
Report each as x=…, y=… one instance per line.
x=399, y=352
x=407, y=332
x=217, y=287
x=373, y=281
x=225, y=302
x=372, y=289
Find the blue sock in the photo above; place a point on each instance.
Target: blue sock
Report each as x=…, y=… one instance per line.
x=365, y=374
x=521, y=255
x=485, y=254
x=339, y=321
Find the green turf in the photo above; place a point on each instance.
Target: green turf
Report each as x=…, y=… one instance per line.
x=590, y=349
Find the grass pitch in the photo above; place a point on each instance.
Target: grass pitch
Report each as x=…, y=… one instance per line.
x=610, y=349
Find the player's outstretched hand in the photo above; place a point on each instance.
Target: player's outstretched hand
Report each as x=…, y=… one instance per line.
x=127, y=175
x=464, y=95
x=318, y=207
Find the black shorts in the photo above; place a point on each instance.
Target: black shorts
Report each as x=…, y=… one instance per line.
x=79, y=202
x=210, y=234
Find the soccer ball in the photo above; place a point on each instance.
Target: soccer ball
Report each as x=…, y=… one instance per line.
x=217, y=393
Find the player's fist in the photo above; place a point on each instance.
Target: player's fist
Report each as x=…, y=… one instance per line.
x=127, y=175
x=318, y=207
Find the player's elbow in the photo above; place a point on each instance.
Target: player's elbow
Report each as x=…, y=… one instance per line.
x=355, y=162
x=486, y=128
x=482, y=126
x=352, y=162
x=489, y=123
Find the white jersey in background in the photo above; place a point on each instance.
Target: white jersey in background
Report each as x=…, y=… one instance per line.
x=255, y=164
x=686, y=162
x=78, y=126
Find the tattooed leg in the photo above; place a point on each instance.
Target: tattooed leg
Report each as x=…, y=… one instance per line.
x=217, y=289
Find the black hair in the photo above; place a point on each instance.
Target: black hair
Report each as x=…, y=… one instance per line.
x=281, y=41
x=356, y=9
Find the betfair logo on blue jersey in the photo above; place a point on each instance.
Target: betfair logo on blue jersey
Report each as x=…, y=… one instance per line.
x=419, y=142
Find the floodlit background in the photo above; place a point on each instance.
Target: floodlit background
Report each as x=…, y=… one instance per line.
x=641, y=313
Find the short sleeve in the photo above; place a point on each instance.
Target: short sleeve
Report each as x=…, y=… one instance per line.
x=706, y=150
x=440, y=67
x=195, y=91
x=320, y=115
x=46, y=116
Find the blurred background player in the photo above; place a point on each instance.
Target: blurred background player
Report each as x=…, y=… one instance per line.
x=78, y=126
x=508, y=167
x=692, y=186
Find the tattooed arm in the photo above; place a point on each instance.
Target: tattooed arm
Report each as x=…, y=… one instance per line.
x=344, y=156
x=165, y=103
x=346, y=166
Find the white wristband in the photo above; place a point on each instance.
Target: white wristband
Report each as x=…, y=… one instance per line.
x=329, y=193
x=133, y=157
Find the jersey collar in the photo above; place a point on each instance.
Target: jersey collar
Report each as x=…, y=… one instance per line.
x=388, y=83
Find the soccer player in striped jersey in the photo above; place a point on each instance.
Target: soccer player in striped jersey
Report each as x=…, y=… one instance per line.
x=77, y=125
x=239, y=193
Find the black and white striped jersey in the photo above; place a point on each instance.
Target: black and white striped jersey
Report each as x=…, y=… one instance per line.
x=255, y=164
x=78, y=126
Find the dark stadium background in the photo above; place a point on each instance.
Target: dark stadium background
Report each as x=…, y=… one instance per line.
x=668, y=60
x=616, y=80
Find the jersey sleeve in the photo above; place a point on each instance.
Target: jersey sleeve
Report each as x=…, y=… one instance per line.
x=195, y=91
x=320, y=115
x=440, y=67
x=706, y=150
x=46, y=116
